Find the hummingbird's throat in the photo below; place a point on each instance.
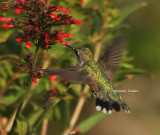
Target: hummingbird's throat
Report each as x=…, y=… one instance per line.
x=79, y=57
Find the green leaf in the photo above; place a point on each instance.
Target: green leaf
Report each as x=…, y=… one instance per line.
x=124, y=14
x=11, y=98
x=22, y=127
x=90, y=122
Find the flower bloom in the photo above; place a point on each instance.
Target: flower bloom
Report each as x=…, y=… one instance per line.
x=19, y=3
x=4, y=8
x=77, y=22
x=5, y=19
x=43, y=1
x=18, y=10
x=54, y=16
x=35, y=80
x=37, y=28
x=58, y=8
x=54, y=91
x=67, y=21
x=7, y=26
x=60, y=39
x=19, y=39
x=28, y=45
x=47, y=39
x=53, y=77
x=64, y=35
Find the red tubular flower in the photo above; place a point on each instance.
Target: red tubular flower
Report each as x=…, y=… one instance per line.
x=28, y=45
x=54, y=16
x=61, y=40
x=58, y=8
x=77, y=22
x=35, y=80
x=4, y=8
x=19, y=3
x=67, y=21
x=7, y=26
x=47, y=39
x=46, y=47
x=5, y=19
x=54, y=91
x=18, y=10
x=53, y=77
x=37, y=28
x=43, y=1
x=19, y=39
x=64, y=35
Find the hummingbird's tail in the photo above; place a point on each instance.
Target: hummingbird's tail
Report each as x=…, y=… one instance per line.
x=108, y=105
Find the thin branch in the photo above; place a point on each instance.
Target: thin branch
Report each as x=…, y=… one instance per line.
x=17, y=116
x=44, y=126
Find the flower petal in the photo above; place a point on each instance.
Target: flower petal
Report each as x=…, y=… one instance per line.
x=53, y=77
x=28, y=45
x=18, y=10
x=19, y=39
x=35, y=80
x=65, y=35
x=77, y=22
x=5, y=19
x=7, y=26
x=54, y=16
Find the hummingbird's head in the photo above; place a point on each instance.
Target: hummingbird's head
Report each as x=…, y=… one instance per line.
x=83, y=54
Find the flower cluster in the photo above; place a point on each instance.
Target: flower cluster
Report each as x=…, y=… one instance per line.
x=37, y=22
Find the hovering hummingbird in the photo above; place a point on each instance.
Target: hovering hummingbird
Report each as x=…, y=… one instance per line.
x=98, y=75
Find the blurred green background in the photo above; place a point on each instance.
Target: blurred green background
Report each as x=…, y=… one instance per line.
x=144, y=45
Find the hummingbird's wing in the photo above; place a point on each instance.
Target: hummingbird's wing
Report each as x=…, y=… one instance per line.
x=70, y=74
x=110, y=60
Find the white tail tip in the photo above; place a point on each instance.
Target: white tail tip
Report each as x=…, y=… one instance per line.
x=98, y=108
x=104, y=110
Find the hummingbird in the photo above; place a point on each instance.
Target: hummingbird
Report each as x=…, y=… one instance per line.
x=98, y=75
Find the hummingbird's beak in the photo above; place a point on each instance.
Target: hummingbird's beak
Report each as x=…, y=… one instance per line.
x=74, y=49
x=71, y=47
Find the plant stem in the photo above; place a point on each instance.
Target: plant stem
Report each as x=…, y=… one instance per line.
x=17, y=116
x=35, y=55
x=44, y=126
x=24, y=97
